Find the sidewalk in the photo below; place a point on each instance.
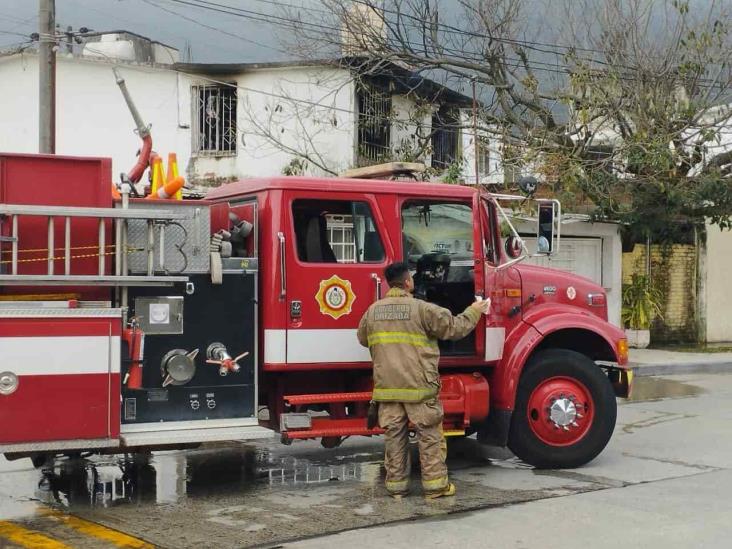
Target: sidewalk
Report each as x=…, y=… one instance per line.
x=654, y=362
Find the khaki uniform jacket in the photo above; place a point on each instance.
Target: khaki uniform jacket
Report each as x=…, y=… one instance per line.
x=401, y=333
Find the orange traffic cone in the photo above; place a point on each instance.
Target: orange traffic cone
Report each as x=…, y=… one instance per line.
x=169, y=189
x=158, y=176
x=173, y=173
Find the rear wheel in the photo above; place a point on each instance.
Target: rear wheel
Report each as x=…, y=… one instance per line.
x=565, y=411
x=41, y=460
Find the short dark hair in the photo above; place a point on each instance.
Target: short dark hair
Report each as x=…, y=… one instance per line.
x=396, y=273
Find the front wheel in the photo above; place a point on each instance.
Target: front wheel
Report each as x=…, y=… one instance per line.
x=565, y=411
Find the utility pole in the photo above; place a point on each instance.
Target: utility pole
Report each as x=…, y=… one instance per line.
x=46, y=76
x=475, y=135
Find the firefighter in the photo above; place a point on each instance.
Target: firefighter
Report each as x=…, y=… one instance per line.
x=401, y=333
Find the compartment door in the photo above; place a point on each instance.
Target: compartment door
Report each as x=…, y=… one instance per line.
x=60, y=375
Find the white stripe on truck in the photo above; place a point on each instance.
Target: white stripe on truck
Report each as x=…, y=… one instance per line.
x=37, y=356
x=316, y=346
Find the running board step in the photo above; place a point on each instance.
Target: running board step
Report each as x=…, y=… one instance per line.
x=326, y=427
x=186, y=436
x=299, y=400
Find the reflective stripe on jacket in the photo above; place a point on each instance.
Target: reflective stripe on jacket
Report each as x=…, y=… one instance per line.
x=401, y=333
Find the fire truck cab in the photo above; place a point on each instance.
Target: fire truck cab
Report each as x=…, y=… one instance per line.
x=150, y=324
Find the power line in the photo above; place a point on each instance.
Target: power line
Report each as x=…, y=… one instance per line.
x=448, y=29
x=15, y=48
x=25, y=35
x=287, y=23
x=217, y=29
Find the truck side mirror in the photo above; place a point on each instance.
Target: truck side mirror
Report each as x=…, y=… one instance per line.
x=546, y=228
x=513, y=246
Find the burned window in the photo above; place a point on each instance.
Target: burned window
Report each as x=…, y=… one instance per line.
x=445, y=137
x=214, y=119
x=336, y=231
x=374, y=124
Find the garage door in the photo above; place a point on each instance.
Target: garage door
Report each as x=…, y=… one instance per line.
x=581, y=256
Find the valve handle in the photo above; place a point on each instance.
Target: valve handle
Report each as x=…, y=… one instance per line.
x=228, y=363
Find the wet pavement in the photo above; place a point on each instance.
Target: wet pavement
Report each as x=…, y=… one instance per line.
x=266, y=494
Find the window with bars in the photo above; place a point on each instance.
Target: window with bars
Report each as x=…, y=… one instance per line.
x=214, y=120
x=374, y=124
x=445, y=138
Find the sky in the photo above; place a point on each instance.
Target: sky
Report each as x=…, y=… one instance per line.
x=213, y=37
x=218, y=37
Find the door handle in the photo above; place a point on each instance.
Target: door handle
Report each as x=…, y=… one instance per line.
x=283, y=285
x=377, y=280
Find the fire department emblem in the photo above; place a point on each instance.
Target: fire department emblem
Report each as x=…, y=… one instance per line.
x=335, y=297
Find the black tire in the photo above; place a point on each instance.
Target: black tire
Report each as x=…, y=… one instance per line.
x=523, y=439
x=40, y=460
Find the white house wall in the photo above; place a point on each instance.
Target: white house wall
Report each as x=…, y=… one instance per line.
x=92, y=118
x=408, y=123
x=277, y=118
x=716, y=287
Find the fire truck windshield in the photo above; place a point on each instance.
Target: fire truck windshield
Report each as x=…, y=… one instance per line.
x=429, y=227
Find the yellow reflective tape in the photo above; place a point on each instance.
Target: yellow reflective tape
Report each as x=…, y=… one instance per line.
x=456, y=433
x=97, y=530
x=401, y=341
x=410, y=338
x=415, y=334
x=406, y=335
x=397, y=485
x=28, y=538
x=403, y=395
x=434, y=484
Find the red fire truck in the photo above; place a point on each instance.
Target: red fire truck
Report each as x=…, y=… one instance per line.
x=130, y=324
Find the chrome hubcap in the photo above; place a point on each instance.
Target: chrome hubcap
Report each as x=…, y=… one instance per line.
x=563, y=412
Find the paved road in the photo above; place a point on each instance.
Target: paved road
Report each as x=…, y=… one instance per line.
x=663, y=481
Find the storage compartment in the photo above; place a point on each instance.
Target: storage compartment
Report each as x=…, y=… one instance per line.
x=185, y=242
x=179, y=384
x=58, y=366
x=38, y=180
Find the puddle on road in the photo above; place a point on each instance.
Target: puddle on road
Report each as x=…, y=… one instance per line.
x=170, y=477
x=658, y=388
x=257, y=494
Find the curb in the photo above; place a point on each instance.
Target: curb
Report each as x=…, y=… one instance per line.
x=642, y=370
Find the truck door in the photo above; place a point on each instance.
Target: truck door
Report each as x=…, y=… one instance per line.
x=503, y=286
x=336, y=253
x=442, y=243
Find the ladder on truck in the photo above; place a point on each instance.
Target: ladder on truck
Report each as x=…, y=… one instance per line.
x=12, y=213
